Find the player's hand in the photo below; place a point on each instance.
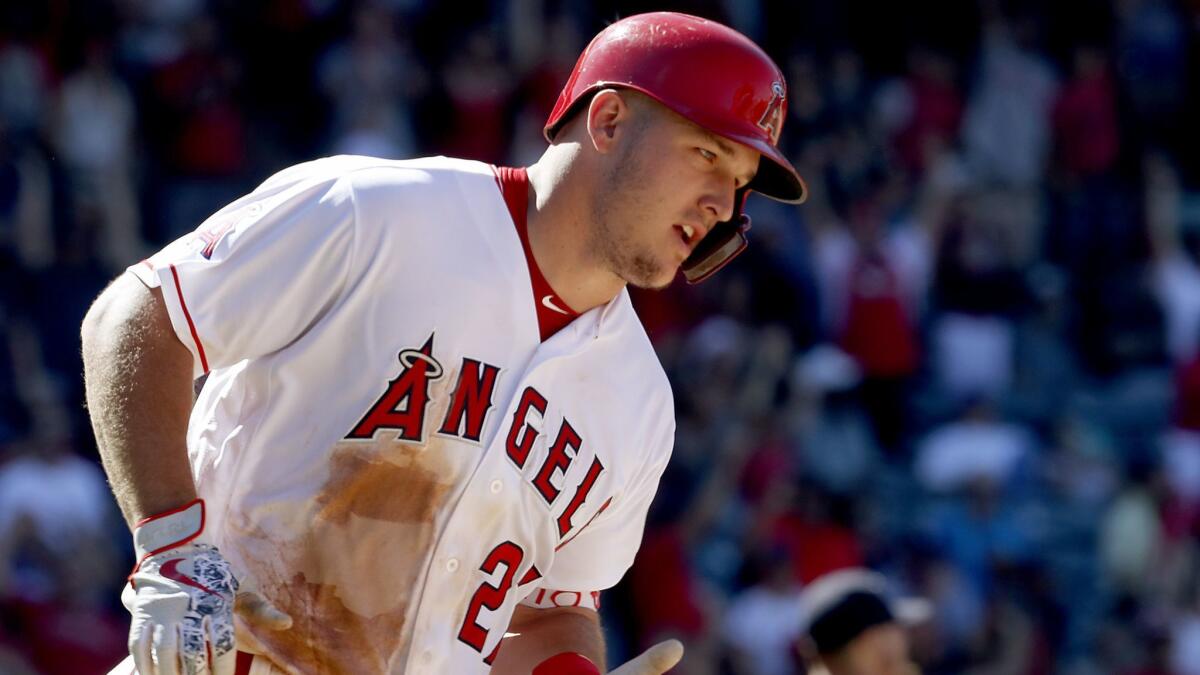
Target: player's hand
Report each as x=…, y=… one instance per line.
x=654, y=661
x=182, y=595
x=182, y=603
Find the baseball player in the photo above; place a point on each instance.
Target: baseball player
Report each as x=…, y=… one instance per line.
x=432, y=423
x=853, y=626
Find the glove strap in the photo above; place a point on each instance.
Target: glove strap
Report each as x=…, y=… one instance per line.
x=567, y=663
x=168, y=530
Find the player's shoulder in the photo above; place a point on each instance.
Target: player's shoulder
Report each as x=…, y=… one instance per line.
x=363, y=173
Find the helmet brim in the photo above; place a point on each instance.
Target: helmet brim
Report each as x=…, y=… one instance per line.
x=776, y=177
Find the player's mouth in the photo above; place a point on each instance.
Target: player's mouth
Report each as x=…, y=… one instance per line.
x=689, y=235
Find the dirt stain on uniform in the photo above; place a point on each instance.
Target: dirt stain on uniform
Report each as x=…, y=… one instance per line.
x=326, y=636
x=384, y=485
x=348, y=581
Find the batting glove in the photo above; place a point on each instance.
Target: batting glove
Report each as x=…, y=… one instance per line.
x=181, y=595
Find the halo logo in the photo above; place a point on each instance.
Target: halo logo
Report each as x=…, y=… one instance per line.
x=772, y=118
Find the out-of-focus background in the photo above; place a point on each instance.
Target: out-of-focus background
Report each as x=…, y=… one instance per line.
x=969, y=361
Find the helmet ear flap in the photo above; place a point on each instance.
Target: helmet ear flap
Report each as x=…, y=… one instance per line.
x=722, y=244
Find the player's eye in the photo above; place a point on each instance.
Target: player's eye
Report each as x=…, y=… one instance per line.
x=707, y=154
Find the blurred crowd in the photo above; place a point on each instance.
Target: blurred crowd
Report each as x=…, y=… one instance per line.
x=970, y=361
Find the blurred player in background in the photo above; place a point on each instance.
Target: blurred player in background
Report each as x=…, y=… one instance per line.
x=852, y=627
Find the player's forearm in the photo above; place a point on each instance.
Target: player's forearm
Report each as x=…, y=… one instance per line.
x=138, y=378
x=542, y=633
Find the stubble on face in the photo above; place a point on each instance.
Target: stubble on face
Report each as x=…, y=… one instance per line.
x=623, y=194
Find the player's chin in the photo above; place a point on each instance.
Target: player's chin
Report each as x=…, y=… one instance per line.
x=652, y=274
x=658, y=284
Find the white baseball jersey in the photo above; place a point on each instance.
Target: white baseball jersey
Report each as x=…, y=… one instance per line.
x=386, y=447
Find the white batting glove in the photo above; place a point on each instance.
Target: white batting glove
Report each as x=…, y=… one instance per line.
x=181, y=595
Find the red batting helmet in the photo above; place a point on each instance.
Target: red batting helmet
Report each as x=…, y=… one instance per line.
x=713, y=76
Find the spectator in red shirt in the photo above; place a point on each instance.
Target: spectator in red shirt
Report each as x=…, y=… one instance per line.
x=1085, y=117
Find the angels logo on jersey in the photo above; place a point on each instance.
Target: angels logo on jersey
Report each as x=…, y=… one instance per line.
x=402, y=406
x=402, y=409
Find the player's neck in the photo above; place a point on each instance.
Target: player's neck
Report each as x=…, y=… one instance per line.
x=558, y=236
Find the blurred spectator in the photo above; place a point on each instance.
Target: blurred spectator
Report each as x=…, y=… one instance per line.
x=13, y=417
x=871, y=281
x=544, y=60
x=369, y=79
x=479, y=87
x=1120, y=325
x=925, y=107
x=808, y=112
x=1007, y=136
x=973, y=354
x=1080, y=465
x=836, y=444
x=1131, y=544
x=959, y=611
x=73, y=631
x=977, y=447
x=25, y=76
x=207, y=133
x=1007, y=643
x=1045, y=366
x=153, y=33
x=1185, y=636
x=198, y=128
x=1085, y=117
x=1181, y=465
x=816, y=529
x=669, y=601
x=57, y=303
x=979, y=293
x=1006, y=133
x=1186, y=413
x=763, y=621
x=847, y=93
x=64, y=496
x=1152, y=57
x=59, y=563
x=1176, y=267
x=94, y=136
x=26, y=235
x=1159, y=655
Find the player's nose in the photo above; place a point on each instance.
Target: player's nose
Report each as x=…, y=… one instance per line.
x=717, y=202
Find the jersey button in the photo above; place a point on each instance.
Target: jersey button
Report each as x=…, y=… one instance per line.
x=497, y=486
x=452, y=565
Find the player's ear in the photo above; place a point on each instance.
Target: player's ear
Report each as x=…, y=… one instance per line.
x=608, y=115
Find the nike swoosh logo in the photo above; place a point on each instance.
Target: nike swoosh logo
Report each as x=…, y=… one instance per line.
x=548, y=303
x=170, y=570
